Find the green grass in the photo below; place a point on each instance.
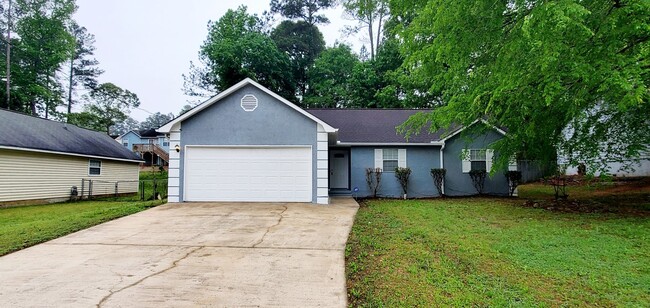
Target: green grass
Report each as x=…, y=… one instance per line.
x=490, y=252
x=25, y=226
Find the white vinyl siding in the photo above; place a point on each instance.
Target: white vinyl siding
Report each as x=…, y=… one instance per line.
x=37, y=176
x=477, y=159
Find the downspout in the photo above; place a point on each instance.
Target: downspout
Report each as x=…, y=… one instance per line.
x=442, y=165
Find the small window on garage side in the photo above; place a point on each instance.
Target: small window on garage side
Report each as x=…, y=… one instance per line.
x=249, y=102
x=390, y=157
x=94, y=167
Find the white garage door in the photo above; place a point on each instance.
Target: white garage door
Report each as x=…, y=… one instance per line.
x=256, y=174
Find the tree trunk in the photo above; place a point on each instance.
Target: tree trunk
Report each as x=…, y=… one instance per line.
x=372, y=43
x=70, y=84
x=8, y=82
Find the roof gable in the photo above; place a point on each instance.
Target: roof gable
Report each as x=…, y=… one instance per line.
x=21, y=131
x=168, y=127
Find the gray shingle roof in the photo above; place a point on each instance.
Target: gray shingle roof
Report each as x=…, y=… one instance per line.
x=373, y=125
x=25, y=131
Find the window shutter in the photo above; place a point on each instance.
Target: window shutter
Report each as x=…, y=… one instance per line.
x=512, y=165
x=379, y=158
x=401, y=158
x=467, y=164
x=489, y=154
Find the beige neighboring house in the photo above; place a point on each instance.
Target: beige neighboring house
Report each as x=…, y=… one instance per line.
x=42, y=160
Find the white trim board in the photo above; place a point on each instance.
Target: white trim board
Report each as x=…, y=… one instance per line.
x=168, y=127
x=500, y=131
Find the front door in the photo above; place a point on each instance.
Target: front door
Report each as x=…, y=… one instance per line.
x=339, y=169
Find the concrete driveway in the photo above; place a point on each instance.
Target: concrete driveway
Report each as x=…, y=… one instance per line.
x=192, y=254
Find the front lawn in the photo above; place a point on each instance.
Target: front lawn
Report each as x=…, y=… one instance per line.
x=492, y=252
x=24, y=226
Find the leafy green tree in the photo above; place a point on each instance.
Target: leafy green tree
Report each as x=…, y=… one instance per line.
x=302, y=42
x=44, y=45
x=156, y=120
x=374, y=83
x=371, y=15
x=83, y=70
x=107, y=105
x=305, y=10
x=185, y=109
x=559, y=75
x=124, y=127
x=329, y=79
x=236, y=48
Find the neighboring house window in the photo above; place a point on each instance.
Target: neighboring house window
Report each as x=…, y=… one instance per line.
x=389, y=159
x=126, y=144
x=165, y=143
x=477, y=159
x=94, y=167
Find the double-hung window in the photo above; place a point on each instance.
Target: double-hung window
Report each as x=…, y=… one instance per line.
x=390, y=158
x=477, y=159
x=94, y=167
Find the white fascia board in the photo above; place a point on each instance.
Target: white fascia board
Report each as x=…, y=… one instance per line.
x=432, y=143
x=122, y=135
x=168, y=127
x=500, y=131
x=69, y=154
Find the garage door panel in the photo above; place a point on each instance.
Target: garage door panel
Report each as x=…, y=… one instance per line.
x=248, y=174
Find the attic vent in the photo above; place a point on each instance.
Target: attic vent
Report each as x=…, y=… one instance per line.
x=249, y=102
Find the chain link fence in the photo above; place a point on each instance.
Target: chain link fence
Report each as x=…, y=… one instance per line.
x=148, y=189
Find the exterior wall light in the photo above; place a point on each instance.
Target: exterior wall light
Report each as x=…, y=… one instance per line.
x=177, y=148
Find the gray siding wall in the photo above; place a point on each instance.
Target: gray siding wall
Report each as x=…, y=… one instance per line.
x=421, y=159
x=272, y=123
x=458, y=183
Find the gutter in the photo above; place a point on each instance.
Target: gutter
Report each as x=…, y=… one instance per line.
x=432, y=143
x=442, y=165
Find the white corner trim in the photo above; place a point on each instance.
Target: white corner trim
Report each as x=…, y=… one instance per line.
x=167, y=127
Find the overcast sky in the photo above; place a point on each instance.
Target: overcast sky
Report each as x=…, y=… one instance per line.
x=146, y=45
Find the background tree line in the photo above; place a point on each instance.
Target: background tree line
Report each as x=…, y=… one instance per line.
x=51, y=67
x=568, y=77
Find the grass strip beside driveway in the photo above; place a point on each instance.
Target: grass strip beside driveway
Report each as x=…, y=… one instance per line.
x=24, y=226
x=489, y=252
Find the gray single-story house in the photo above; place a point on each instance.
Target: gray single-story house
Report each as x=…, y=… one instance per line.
x=41, y=160
x=249, y=144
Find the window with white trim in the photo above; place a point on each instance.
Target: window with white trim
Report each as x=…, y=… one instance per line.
x=390, y=159
x=94, y=167
x=125, y=143
x=477, y=159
